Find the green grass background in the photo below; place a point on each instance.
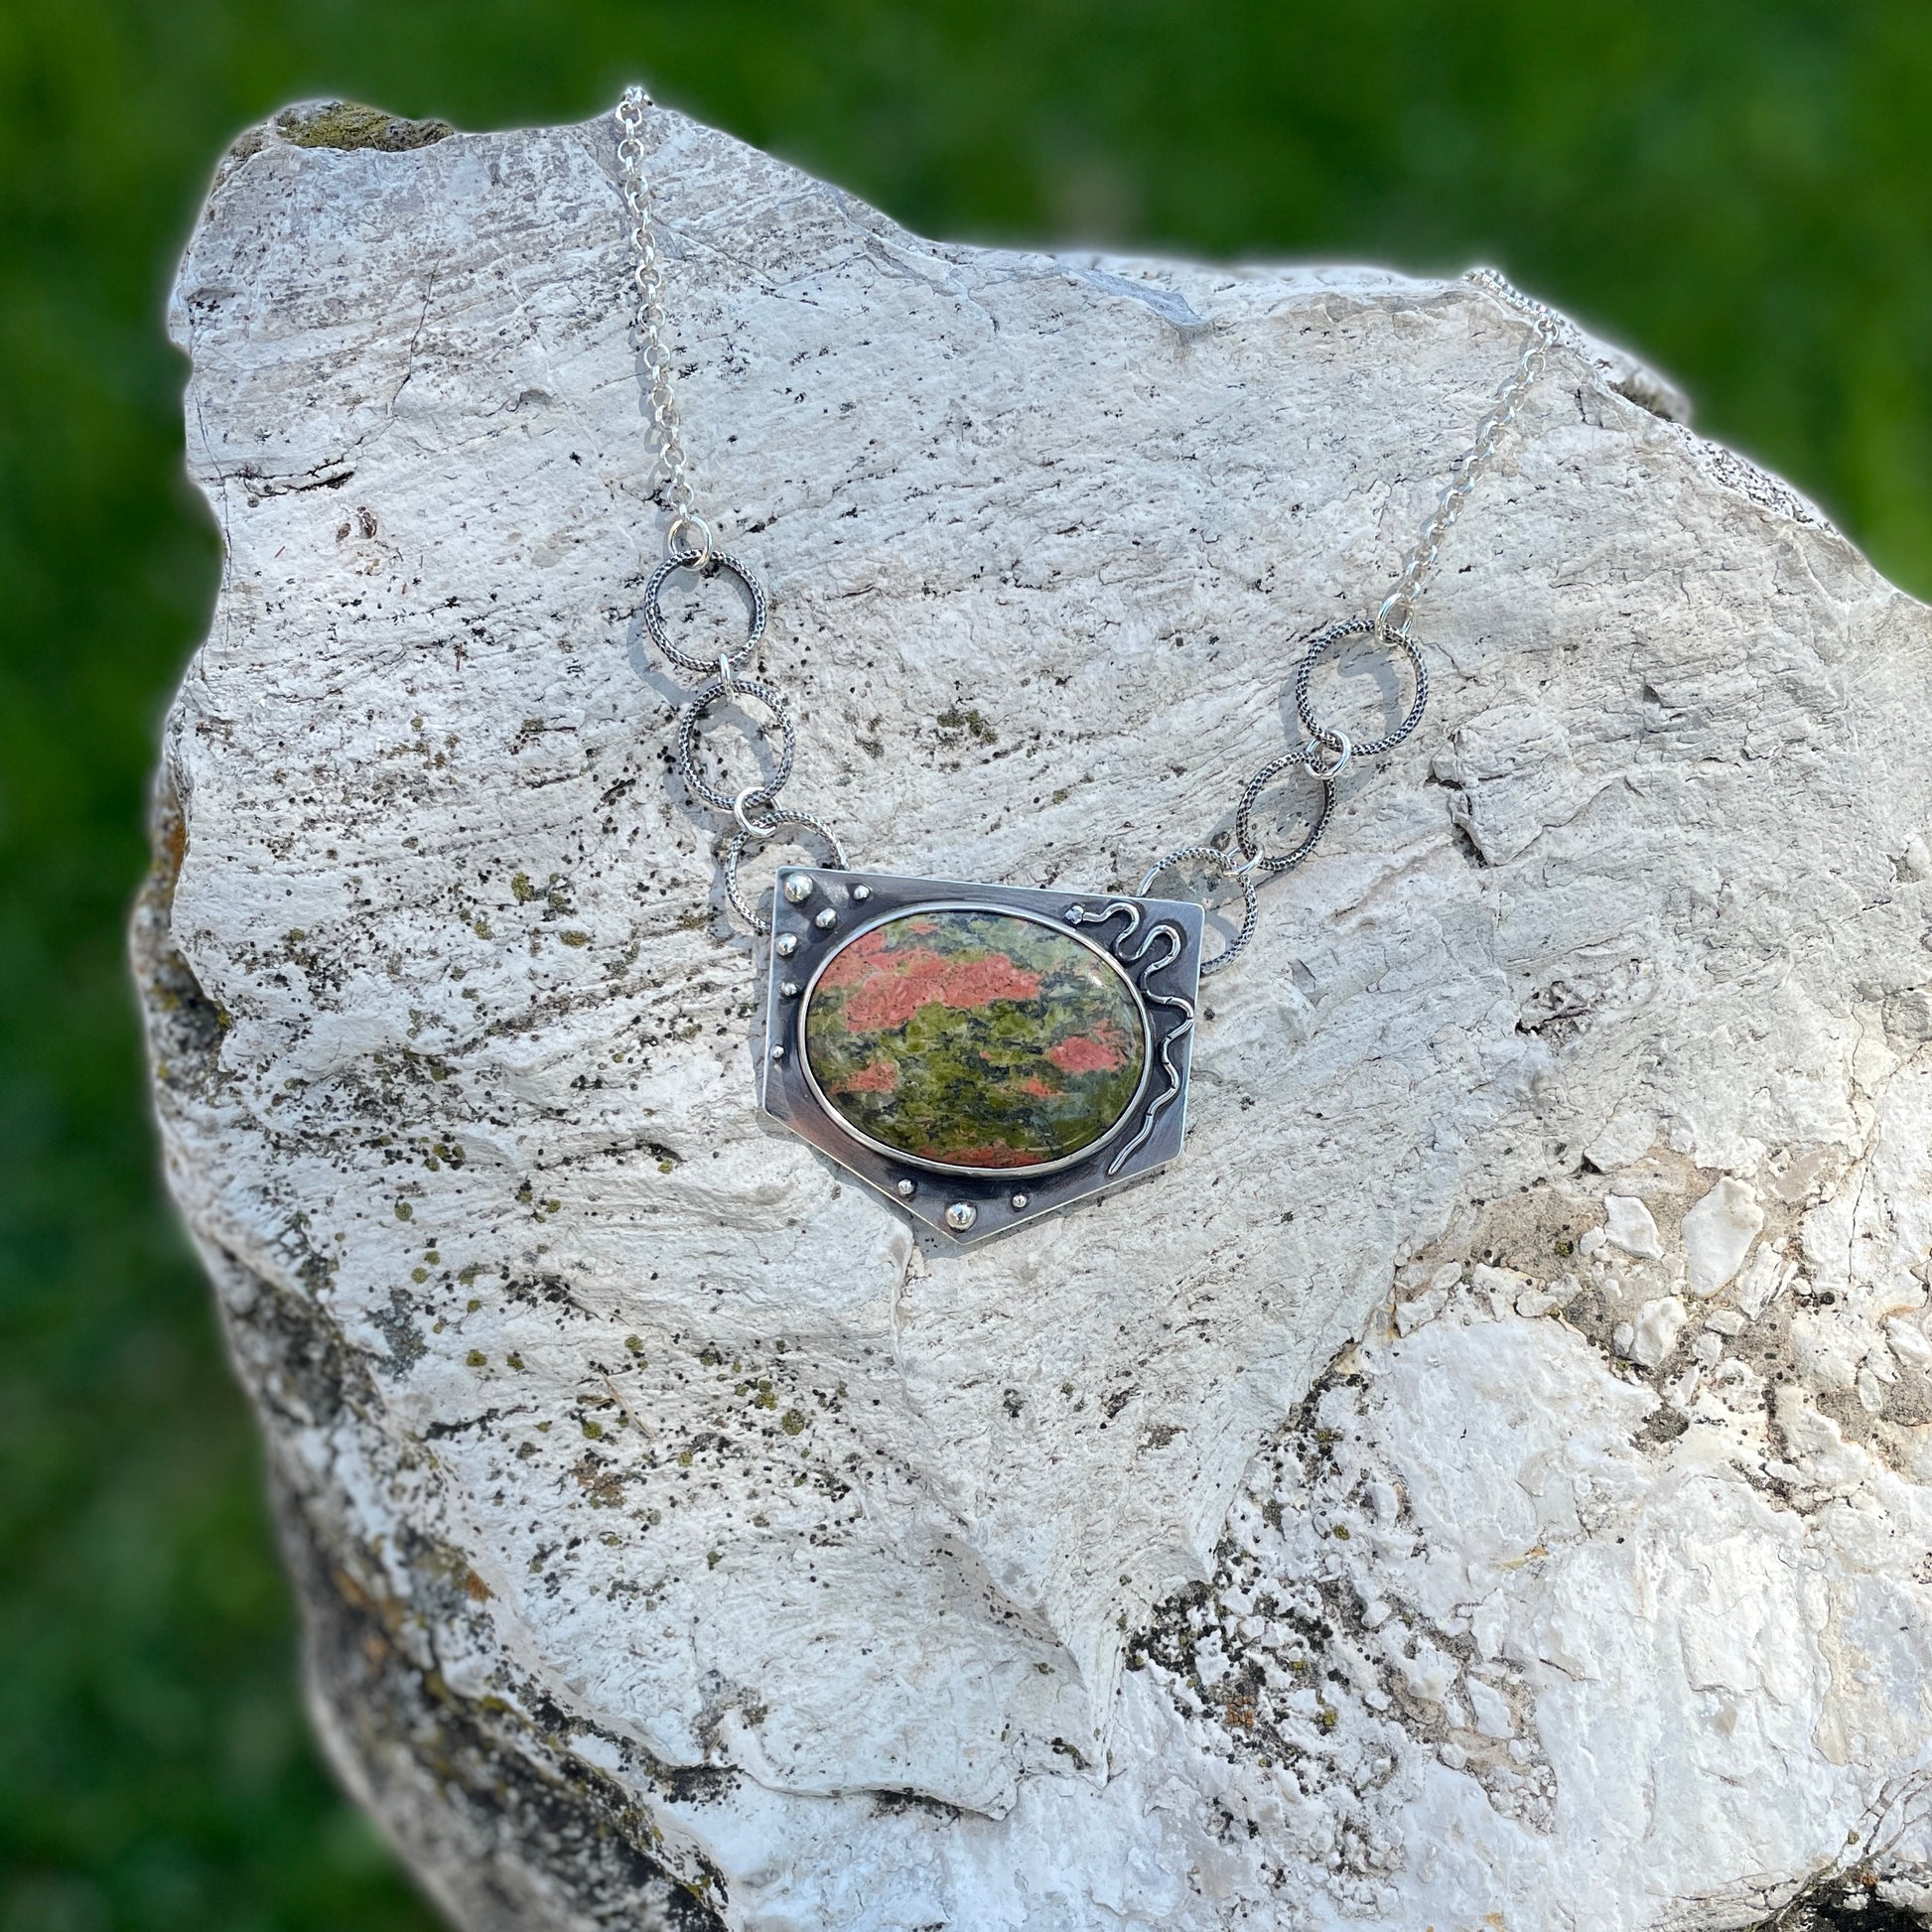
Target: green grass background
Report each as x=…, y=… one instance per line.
x=1735, y=190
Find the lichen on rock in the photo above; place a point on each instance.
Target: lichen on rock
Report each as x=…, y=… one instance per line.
x=347, y=124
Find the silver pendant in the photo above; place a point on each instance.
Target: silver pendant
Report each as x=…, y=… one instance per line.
x=980, y=1054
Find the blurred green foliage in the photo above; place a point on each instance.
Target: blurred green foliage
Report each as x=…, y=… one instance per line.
x=1730, y=187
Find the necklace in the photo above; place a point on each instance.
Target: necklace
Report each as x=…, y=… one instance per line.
x=981, y=1054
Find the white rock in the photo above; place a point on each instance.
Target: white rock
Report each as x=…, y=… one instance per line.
x=1718, y=1234
x=1499, y=1288
x=1818, y=1441
x=1629, y=1226
x=1491, y=1708
x=665, y=1516
x=1909, y=1343
x=1627, y=1137
x=1655, y=1331
x=1505, y=1283
x=1418, y=1308
x=1533, y=1300
x=1770, y=1273
x=1828, y=1349
x=1682, y=1390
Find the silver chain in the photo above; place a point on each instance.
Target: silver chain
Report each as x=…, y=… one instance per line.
x=756, y=814
x=1328, y=751
x=1546, y=325
x=647, y=325
x=753, y=810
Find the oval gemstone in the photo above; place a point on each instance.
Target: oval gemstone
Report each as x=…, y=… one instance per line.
x=975, y=1040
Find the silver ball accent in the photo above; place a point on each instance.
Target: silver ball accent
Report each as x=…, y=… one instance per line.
x=786, y=944
x=906, y=1191
x=777, y=1053
x=789, y=990
x=1019, y=1201
x=798, y=888
x=860, y=894
x=826, y=919
x=961, y=1215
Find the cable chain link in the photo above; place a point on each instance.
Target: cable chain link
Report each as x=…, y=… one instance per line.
x=688, y=546
x=1328, y=751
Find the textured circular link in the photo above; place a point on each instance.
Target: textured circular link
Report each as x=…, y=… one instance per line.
x=689, y=545
x=1329, y=751
x=1251, y=792
x=1334, y=740
x=739, y=841
x=1241, y=872
x=691, y=718
x=651, y=609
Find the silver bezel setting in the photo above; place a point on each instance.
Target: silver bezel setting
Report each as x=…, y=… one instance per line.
x=1154, y=944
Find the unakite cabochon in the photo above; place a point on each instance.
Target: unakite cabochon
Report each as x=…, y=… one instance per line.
x=975, y=1039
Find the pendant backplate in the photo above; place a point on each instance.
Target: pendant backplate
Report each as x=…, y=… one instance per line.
x=1151, y=946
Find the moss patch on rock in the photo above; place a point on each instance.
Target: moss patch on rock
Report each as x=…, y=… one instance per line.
x=349, y=124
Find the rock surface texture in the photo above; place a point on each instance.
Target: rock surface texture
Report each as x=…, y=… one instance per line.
x=1487, y=1482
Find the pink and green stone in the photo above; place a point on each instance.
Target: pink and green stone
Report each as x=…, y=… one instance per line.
x=975, y=1040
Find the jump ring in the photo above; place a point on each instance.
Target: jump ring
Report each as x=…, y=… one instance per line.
x=1242, y=875
x=743, y=837
x=692, y=716
x=1336, y=741
x=754, y=795
x=685, y=523
x=709, y=563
